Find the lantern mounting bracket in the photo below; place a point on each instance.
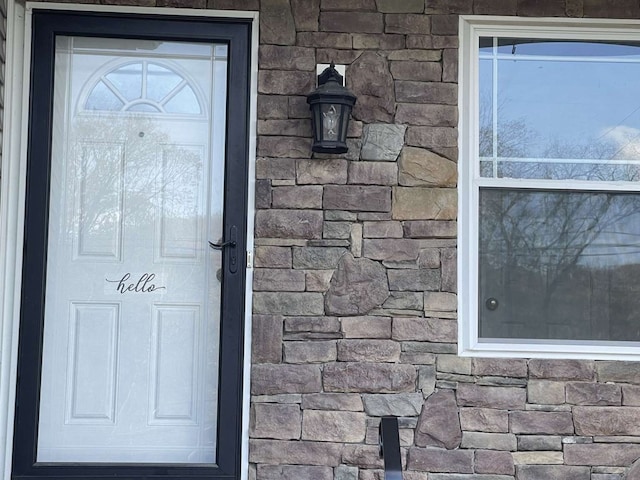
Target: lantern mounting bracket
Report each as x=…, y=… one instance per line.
x=321, y=67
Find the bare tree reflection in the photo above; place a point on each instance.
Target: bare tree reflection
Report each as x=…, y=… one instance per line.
x=549, y=255
x=127, y=172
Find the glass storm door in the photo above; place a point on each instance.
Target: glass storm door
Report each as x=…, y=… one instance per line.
x=132, y=300
x=130, y=313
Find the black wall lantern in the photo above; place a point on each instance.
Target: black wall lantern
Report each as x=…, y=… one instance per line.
x=330, y=106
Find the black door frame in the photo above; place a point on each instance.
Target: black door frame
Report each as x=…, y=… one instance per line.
x=236, y=33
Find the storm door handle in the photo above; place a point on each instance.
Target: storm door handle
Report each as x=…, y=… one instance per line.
x=233, y=256
x=220, y=246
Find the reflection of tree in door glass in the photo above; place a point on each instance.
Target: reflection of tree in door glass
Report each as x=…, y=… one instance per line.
x=168, y=183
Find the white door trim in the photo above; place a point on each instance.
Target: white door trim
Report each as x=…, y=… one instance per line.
x=12, y=198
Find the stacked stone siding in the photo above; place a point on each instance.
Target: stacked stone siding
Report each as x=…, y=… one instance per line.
x=355, y=271
x=354, y=303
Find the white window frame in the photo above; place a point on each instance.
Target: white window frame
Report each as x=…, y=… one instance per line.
x=470, y=182
x=14, y=92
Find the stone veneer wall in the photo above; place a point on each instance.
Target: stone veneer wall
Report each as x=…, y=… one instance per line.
x=355, y=271
x=355, y=268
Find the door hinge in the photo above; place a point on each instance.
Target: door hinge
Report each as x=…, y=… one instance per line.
x=249, y=260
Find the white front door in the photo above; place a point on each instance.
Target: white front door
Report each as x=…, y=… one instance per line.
x=132, y=305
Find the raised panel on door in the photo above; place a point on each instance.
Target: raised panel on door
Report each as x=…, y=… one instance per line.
x=96, y=198
x=92, y=363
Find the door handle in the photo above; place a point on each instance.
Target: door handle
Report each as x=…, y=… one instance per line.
x=220, y=246
x=233, y=256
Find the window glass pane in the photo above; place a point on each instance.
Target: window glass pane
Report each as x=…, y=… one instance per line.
x=567, y=48
x=559, y=265
x=128, y=81
x=102, y=98
x=160, y=82
x=609, y=171
x=486, y=169
x=545, y=112
x=486, y=45
x=486, y=108
x=565, y=103
x=184, y=101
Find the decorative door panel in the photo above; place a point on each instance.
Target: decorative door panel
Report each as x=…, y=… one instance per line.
x=92, y=361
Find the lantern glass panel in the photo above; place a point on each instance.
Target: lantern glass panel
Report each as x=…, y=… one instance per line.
x=316, y=113
x=345, y=122
x=330, y=122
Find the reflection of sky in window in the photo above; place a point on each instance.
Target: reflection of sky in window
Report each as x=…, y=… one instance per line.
x=182, y=102
x=103, y=98
x=560, y=100
x=128, y=80
x=160, y=82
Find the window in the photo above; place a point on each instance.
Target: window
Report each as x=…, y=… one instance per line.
x=549, y=211
x=146, y=87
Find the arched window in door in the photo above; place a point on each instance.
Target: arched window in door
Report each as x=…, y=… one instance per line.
x=145, y=87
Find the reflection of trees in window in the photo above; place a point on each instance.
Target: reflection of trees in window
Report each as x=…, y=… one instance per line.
x=512, y=135
x=511, y=149
x=561, y=264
